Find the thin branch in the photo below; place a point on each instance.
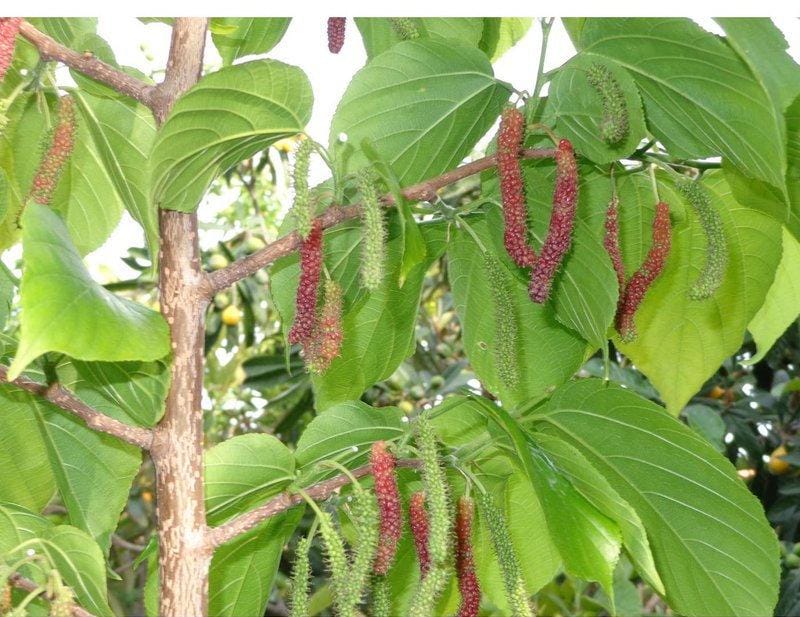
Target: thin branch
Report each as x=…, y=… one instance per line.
x=424, y=191
x=66, y=400
x=245, y=522
x=86, y=63
x=26, y=584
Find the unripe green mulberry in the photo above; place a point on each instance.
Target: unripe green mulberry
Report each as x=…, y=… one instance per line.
x=713, y=272
x=55, y=158
x=506, y=556
x=301, y=572
x=381, y=597
x=365, y=519
x=302, y=209
x=614, y=125
x=430, y=588
x=374, y=243
x=404, y=28
x=9, y=27
x=338, y=565
x=435, y=482
x=5, y=598
x=505, y=323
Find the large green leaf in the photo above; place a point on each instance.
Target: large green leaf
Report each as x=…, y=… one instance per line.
x=227, y=117
x=345, y=432
x=236, y=37
x=378, y=35
x=18, y=524
x=588, y=541
x=577, y=109
x=547, y=353
x=64, y=310
x=501, y=33
x=782, y=304
x=700, y=97
x=244, y=471
x=424, y=105
x=698, y=335
x=123, y=132
x=712, y=545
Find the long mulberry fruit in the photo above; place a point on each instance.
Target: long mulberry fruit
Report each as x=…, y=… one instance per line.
x=55, y=157
x=562, y=219
x=366, y=519
x=614, y=125
x=383, y=465
x=465, y=563
x=374, y=247
x=512, y=187
x=301, y=208
x=506, y=556
x=643, y=278
x=9, y=27
x=505, y=323
x=435, y=483
x=338, y=564
x=423, y=603
x=305, y=316
x=611, y=243
x=713, y=272
x=301, y=571
x=326, y=342
x=381, y=597
x=418, y=521
x=404, y=28
x=336, y=28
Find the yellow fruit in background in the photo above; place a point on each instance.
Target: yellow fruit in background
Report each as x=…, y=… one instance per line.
x=217, y=261
x=776, y=465
x=285, y=145
x=406, y=406
x=231, y=316
x=716, y=392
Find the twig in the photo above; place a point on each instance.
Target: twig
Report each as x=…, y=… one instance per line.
x=245, y=522
x=424, y=191
x=86, y=63
x=26, y=584
x=66, y=400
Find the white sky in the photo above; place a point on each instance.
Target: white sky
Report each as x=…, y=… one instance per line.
x=305, y=45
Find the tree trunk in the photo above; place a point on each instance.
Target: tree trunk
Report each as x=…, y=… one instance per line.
x=177, y=450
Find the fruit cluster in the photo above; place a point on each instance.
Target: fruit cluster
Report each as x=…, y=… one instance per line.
x=55, y=157
x=336, y=30
x=9, y=27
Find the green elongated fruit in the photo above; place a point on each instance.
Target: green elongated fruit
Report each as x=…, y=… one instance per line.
x=614, y=126
x=302, y=209
x=365, y=518
x=506, y=329
x=374, y=243
x=338, y=565
x=381, y=597
x=423, y=603
x=439, y=516
x=713, y=272
x=404, y=28
x=506, y=556
x=301, y=571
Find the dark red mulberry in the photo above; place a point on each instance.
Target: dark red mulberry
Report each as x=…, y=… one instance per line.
x=383, y=465
x=465, y=563
x=643, y=278
x=326, y=341
x=9, y=27
x=305, y=316
x=55, y=158
x=418, y=520
x=336, y=28
x=512, y=187
x=562, y=219
x=611, y=243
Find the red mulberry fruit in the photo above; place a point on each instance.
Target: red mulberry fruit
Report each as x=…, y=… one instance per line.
x=465, y=563
x=9, y=27
x=418, y=520
x=383, y=465
x=326, y=341
x=55, y=158
x=305, y=316
x=611, y=243
x=336, y=28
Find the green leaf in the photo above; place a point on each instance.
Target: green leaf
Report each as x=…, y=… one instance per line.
x=5, y=194
x=501, y=34
x=18, y=524
x=64, y=310
x=378, y=35
x=547, y=353
x=707, y=422
x=587, y=540
x=243, y=472
x=346, y=432
x=228, y=116
x=123, y=132
x=131, y=392
x=80, y=562
x=578, y=110
x=66, y=30
x=702, y=101
x=712, y=545
x=236, y=37
x=26, y=478
x=699, y=333
x=424, y=104
x=782, y=304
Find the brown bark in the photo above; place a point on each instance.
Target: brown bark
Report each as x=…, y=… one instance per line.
x=177, y=449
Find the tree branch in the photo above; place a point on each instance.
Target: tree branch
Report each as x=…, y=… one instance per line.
x=424, y=191
x=26, y=584
x=49, y=49
x=245, y=522
x=66, y=400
